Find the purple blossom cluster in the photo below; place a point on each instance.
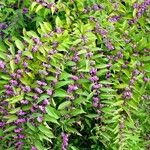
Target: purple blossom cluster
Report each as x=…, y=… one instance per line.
x=46, y=4
x=142, y=8
x=65, y=140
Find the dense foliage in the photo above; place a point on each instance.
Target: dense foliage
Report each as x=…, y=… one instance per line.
x=74, y=74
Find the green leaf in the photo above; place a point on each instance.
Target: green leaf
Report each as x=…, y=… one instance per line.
x=38, y=145
x=60, y=93
x=38, y=8
x=15, y=99
x=64, y=105
x=31, y=126
x=19, y=44
x=63, y=83
x=51, y=119
x=52, y=112
x=27, y=53
x=106, y=90
x=46, y=131
x=14, y=110
x=2, y=47
x=3, y=55
x=11, y=118
x=11, y=128
x=77, y=112
x=12, y=65
x=92, y=115
x=58, y=22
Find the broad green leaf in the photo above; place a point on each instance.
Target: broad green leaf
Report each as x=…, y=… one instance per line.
x=19, y=44
x=64, y=105
x=49, y=118
x=77, y=112
x=52, y=112
x=60, y=93
x=46, y=131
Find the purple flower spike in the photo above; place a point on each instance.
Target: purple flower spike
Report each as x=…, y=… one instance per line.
x=65, y=141
x=114, y=18
x=2, y=64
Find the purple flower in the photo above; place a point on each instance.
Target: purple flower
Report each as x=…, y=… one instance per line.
x=18, y=130
x=3, y=26
x=72, y=88
x=74, y=78
x=42, y=108
x=45, y=102
x=58, y=30
x=37, y=41
x=38, y=90
x=75, y=58
x=7, y=86
x=34, y=49
x=9, y=92
x=27, y=89
x=109, y=45
x=103, y=32
x=19, y=143
x=94, y=78
x=17, y=58
x=95, y=101
x=49, y=92
x=25, y=10
x=25, y=64
x=2, y=124
x=146, y=79
x=21, y=120
x=39, y=82
x=35, y=97
x=135, y=72
x=19, y=71
x=33, y=148
x=108, y=75
x=96, y=86
x=24, y=102
x=34, y=108
x=21, y=136
x=95, y=7
x=114, y=18
x=13, y=82
x=40, y=119
x=2, y=64
x=21, y=113
x=93, y=71
x=127, y=94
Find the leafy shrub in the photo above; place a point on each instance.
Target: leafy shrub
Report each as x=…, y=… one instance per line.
x=74, y=75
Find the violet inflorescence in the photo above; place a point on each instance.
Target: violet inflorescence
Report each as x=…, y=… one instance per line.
x=74, y=75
